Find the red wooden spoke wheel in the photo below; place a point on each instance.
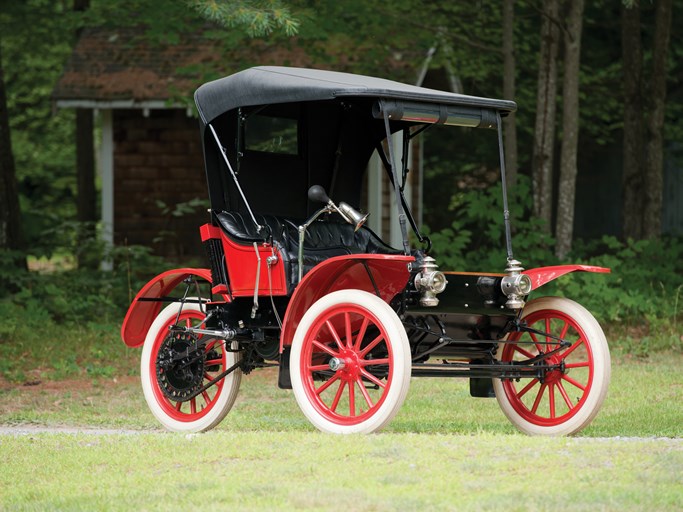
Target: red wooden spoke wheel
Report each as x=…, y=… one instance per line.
x=350, y=363
x=575, y=380
x=168, y=382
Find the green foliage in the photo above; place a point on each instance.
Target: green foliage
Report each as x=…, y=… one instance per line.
x=642, y=297
x=73, y=296
x=475, y=241
x=37, y=37
x=258, y=17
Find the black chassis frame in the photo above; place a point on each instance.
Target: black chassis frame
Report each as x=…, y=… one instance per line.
x=463, y=333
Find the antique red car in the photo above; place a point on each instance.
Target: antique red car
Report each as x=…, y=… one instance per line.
x=297, y=281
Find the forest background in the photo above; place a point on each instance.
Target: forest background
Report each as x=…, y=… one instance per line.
x=600, y=90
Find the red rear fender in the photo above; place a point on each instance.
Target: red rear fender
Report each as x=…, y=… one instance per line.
x=543, y=275
x=141, y=314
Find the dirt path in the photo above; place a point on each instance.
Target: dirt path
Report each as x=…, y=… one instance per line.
x=28, y=430
x=22, y=430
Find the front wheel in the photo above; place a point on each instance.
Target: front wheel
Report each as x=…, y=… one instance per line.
x=168, y=382
x=569, y=395
x=350, y=363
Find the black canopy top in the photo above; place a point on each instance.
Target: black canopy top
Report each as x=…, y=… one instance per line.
x=332, y=122
x=265, y=85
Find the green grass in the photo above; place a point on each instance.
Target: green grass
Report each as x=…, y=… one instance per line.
x=443, y=451
x=644, y=399
x=273, y=470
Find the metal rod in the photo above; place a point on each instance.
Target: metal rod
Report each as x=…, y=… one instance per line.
x=397, y=188
x=506, y=210
x=254, y=308
x=215, y=381
x=302, y=233
x=234, y=177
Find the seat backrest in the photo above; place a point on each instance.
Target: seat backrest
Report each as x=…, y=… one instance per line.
x=241, y=228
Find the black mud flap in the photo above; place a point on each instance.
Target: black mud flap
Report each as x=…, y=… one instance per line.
x=284, y=381
x=482, y=387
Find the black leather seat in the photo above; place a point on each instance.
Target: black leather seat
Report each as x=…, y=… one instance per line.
x=324, y=239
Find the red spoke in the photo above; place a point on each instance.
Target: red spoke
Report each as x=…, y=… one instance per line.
x=361, y=333
x=527, y=388
x=577, y=365
x=352, y=399
x=188, y=322
x=551, y=398
x=539, y=347
x=335, y=335
x=208, y=377
x=193, y=406
x=319, y=368
x=571, y=349
x=207, y=399
x=349, y=333
x=209, y=345
x=372, y=345
x=212, y=362
x=178, y=405
x=372, y=378
x=538, y=398
x=574, y=382
x=335, y=402
x=547, y=330
x=325, y=348
x=370, y=362
x=563, y=333
x=563, y=392
x=361, y=385
x=525, y=353
x=327, y=384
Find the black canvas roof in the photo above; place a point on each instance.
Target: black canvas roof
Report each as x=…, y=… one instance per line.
x=272, y=84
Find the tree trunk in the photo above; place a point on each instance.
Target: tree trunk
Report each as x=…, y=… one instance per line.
x=654, y=152
x=509, y=68
x=11, y=235
x=86, y=202
x=544, y=136
x=564, y=230
x=632, y=177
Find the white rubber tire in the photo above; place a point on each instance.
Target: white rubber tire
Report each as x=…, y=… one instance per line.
x=159, y=405
x=400, y=361
x=601, y=368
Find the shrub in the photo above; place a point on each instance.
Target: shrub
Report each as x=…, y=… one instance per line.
x=475, y=241
x=641, y=300
x=82, y=295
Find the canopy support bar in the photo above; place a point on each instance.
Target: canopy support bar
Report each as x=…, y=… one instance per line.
x=506, y=210
x=397, y=188
x=259, y=228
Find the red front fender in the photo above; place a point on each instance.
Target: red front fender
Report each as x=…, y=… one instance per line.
x=543, y=275
x=141, y=314
x=389, y=275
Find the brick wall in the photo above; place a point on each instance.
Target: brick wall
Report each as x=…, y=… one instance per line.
x=158, y=158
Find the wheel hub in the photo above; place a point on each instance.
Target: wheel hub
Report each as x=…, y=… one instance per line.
x=553, y=376
x=179, y=367
x=336, y=364
x=347, y=363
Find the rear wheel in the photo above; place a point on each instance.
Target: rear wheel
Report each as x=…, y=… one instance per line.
x=168, y=381
x=350, y=363
x=569, y=396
